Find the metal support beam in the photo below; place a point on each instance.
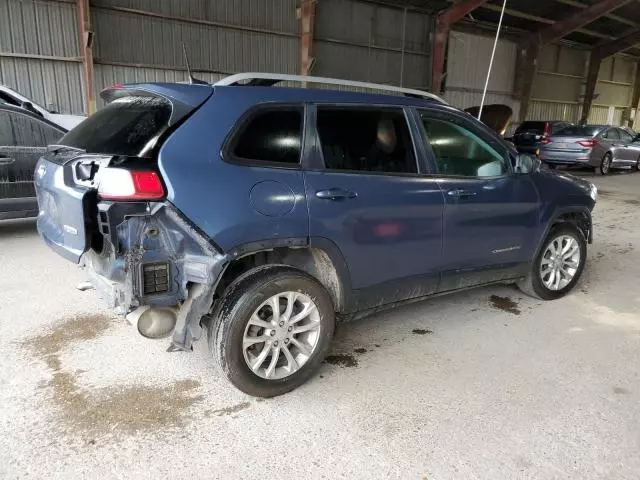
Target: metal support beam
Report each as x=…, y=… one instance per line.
x=578, y=20
x=443, y=25
x=525, y=73
x=86, y=52
x=627, y=40
x=552, y=33
x=590, y=87
x=307, y=21
x=635, y=97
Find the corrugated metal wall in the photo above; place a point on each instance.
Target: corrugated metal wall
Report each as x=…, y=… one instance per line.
x=370, y=42
x=31, y=31
x=141, y=40
x=467, y=63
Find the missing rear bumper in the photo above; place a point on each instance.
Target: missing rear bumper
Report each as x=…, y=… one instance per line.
x=151, y=257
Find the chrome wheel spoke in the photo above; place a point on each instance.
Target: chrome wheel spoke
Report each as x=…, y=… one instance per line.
x=305, y=328
x=247, y=341
x=275, y=355
x=257, y=363
x=302, y=347
x=291, y=300
x=293, y=365
x=274, y=302
x=556, y=281
x=307, y=310
x=258, y=322
x=570, y=264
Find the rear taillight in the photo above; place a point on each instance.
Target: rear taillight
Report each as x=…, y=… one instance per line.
x=588, y=143
x=122, y=184
x=545, y=141
x=547, y=129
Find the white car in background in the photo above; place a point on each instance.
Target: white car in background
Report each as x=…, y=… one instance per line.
x=11, y=97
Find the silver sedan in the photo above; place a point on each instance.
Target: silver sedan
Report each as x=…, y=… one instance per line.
x=599, y=146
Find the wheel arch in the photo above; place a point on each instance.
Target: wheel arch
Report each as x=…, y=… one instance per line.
x=321, y=259
x=578, y=216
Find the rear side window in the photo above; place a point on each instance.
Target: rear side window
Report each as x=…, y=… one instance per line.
x=20, y=130
x=537, y=127
x=271, y=135
x=127, y=126
x=611, y=134
x=365, y=140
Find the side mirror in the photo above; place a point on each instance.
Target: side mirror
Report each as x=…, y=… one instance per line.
x=527, y=163
x=29, y=106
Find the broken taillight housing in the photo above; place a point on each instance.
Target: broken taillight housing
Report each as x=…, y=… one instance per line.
x=122, y=184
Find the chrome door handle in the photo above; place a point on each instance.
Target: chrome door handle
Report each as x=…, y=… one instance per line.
x=335, y=194
x=6, y=160
x=460, y=193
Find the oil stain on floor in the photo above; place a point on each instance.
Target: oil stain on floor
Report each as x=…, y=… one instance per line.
x=342, y=360
x=421, y=331
x=109, y=411
x=505, y=304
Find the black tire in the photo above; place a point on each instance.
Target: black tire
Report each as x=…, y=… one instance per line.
x=241, y=299
x=605, y=164
x=532, y=285
x=637, y=167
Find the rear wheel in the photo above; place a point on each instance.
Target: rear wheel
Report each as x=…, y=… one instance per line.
x=637, y=166
x=272, y=330
x=558, y=266
x=605, y=164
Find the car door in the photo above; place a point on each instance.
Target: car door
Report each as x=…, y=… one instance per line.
x=491, y=213
x=366, y=196
x=626, y=152
x=23, y=139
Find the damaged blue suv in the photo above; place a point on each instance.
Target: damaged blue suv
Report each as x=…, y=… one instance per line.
x=264, y=214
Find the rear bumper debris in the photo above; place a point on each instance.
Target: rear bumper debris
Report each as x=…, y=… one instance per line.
x=151, y=256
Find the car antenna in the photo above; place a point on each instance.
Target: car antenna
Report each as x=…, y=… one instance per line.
x=192, y=80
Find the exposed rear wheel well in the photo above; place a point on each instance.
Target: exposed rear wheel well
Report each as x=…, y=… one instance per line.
x=313, y=261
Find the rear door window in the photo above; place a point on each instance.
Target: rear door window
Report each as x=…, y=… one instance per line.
x=270, y=135
x=127, y=126
x=611, y=134
x=624, y=135
x=362, y=139
x=30, y=132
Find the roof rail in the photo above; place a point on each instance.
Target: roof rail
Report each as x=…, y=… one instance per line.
x=269, y=79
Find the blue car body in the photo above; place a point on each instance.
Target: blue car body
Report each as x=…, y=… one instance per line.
x=372, y=239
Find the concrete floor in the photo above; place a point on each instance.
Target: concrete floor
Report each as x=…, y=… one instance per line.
x=464, y=386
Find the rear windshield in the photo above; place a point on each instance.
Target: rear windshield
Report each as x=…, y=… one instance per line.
x=579, y=131
x=532, y=127
x=127, y=126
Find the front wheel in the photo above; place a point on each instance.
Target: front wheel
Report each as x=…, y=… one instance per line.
x=558, y=266
x=272, y=330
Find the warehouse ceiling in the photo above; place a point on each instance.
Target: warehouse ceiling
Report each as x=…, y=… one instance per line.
x=523, y=17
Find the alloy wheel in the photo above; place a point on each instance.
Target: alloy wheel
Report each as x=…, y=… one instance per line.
x=560, y=262
x=281, y=335
x=606, y=164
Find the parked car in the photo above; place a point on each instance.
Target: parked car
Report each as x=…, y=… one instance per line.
x=9, y=96
x=599, y=146
x=24, y=137
x=530, y=135
x=265, y=214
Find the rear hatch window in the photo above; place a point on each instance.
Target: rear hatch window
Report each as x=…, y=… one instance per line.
x=578, y=131
x=127, y=126
x=537, y=127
